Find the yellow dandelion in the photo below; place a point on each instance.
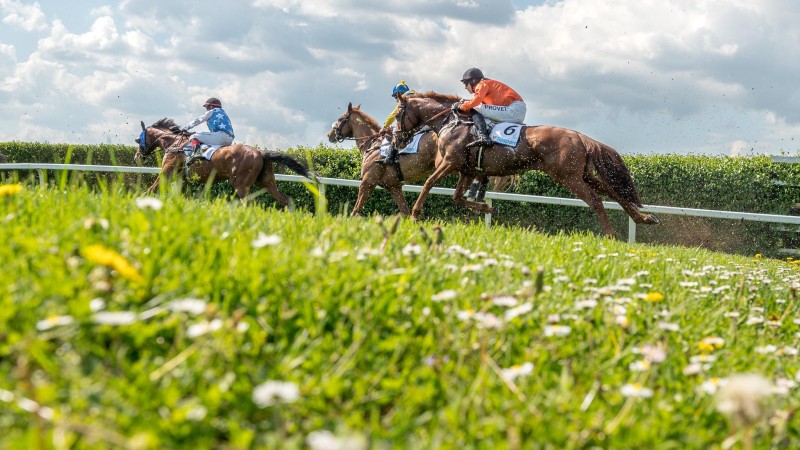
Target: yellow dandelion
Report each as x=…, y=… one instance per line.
x=654, y=297
x=99, y=254
x=759, y=256
x=7, y=190
x=711, y=343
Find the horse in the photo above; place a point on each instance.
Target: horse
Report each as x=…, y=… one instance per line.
x=584, y=166
x=242, y=165
x=358, y=125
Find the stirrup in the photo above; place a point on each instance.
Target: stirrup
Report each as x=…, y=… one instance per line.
x=483, y=142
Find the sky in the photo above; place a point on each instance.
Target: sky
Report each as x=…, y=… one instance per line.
x=715, y=77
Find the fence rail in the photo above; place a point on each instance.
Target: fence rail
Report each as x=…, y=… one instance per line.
x=732, y=215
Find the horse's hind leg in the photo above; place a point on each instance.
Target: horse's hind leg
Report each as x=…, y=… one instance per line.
x=584, y=191
x=397, y=194
x=604, y=189
x=267, y=181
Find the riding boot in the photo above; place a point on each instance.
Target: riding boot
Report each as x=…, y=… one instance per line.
x=480, y=125
x=391, y=158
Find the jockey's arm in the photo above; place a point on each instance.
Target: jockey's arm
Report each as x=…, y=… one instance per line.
x=392, y=116
x=199, y=120
x=477, y=99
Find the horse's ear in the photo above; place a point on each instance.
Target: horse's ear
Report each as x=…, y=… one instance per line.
x=349, y=106
x=143, y=127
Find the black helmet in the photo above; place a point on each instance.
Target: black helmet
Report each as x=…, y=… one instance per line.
x=213, y=101
x=472, y=74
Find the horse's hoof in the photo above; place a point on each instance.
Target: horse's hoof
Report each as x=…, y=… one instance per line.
x=651, y=220
x=495, y=210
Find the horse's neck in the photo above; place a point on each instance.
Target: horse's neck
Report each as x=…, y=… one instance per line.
x=169, y=140
x=363, y=132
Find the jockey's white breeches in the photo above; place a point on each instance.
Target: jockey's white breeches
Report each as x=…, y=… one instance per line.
x=515, y=112
x=213, y=137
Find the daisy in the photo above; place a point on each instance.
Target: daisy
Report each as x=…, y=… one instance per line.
x=272, y=392
x=513, y=372
x=636, y=391
x=264, y=240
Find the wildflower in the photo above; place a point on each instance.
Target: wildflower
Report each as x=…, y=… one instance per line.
x=264, y=240
x=621, y=320
x=204, y=327
x=515, y=312
x=636, y=391
x=693, y=369
x=653, y=353
x=586, y=304
x=97, y=304
x=511, y=373
x=709, y=344
x=99, y=254
x=53, y=321
x=557, y=330
x=755, y=320
x=272, y=392
x=115, y=318
x=444, y=295
x=766, y=349
x=639, y=366
x=504, y=300
x=666, y=326
x=7, y=190
x=325, y=440
x=193, y=306
x=744, y=398
x=654, y=297
x=149, y=203
x=412, y=249
x=711, y=385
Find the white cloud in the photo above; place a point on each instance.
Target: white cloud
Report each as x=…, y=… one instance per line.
x=29, y=17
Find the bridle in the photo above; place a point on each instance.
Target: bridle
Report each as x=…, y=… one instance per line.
x=337, y=127
x=148, y=150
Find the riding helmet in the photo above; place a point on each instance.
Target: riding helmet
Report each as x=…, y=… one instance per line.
x=400, y=89
x=472, y=74
x=213, y=101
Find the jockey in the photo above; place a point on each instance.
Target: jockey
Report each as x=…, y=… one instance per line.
x=400, y=89
x=491, y=99
x=219, y=126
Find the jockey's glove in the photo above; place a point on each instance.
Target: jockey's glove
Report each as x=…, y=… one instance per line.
x=456, y=107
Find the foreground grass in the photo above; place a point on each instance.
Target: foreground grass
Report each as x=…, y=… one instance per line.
x=183, y=323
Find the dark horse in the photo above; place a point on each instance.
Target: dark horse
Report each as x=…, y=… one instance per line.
x=586, y=167
x=241, y=164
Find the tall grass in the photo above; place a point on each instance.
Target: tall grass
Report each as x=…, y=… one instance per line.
x=174, y=322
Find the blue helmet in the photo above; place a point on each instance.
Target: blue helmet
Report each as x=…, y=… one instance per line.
x=400, y=89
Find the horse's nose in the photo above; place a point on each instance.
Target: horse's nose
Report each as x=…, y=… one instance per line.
x=137, y=140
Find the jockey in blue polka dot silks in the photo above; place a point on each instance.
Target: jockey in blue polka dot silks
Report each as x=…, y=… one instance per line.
x=220, y=130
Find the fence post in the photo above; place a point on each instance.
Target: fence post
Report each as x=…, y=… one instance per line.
x=322, y=202
x=631, y=231
x=487, y=218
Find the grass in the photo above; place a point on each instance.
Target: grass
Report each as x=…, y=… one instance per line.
x=178, y=322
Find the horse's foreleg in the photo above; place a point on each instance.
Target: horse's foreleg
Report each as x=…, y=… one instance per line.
x=364, y=190
x=444, y=169
x=154, y=187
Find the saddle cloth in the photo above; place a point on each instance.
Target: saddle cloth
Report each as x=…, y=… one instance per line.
x=503, y=133
x=411, y=148
x=206, y=151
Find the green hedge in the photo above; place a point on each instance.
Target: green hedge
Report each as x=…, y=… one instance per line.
x=707, y=182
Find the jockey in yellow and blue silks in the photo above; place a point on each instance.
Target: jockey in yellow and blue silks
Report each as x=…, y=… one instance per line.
x=400, y=89
x=220, y=130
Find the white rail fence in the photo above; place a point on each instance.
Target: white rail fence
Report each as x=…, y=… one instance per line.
x=732, y=215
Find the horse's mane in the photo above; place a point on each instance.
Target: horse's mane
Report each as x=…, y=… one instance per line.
x=369, y=119
x=435, y=95
x=166, y=124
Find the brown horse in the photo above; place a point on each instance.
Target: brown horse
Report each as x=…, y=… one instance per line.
x=355, y=124
x=358, y=125
x=586, y=167
x=242, y=165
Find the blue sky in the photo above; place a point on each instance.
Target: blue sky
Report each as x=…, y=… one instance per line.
x=646, y=76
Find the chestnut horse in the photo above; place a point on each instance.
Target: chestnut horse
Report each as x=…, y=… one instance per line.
x=358, y=125
x=586, y=167
x=241, y=164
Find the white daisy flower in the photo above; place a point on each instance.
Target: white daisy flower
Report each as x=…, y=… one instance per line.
x=272, y=392
x=505, y=301
x=193, y=306
x=557, y=330
x=149, y=203
x=53, y=321
x=264, y=240
x=636, y=390
x=513, y=372
x=445, y=295
x=115, y=318
x=204, y=327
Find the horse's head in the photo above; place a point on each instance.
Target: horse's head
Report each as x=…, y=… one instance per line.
x=151, y=137
x=342, y=129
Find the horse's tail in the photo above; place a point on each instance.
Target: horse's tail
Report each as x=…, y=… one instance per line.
x=293, y=164
x=612, y=170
